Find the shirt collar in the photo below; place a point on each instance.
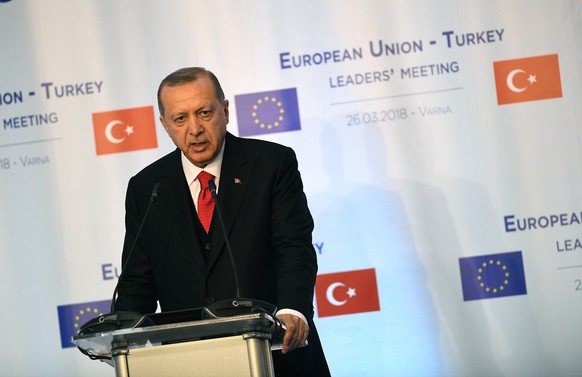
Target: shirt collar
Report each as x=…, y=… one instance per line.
x=191, y=171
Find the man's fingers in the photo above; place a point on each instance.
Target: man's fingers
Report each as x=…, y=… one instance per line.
x=295, y=334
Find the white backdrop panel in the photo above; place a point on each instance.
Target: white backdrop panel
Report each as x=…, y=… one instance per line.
x=405, y=173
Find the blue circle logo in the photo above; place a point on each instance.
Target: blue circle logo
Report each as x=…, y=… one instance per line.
x=5, y=1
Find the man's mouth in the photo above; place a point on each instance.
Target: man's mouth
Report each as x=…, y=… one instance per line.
x=198, y=144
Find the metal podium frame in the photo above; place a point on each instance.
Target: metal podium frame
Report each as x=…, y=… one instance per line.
x=228, y=346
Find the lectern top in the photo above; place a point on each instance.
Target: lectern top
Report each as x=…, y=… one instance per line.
x=101, y=344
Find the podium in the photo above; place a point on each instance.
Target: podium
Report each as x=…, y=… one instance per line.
x=173, y=344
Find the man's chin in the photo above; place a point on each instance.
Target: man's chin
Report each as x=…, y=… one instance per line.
x=199, y=159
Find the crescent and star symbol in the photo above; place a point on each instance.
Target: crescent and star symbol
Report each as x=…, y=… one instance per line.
x=330, y=297
x=109, y=128
x=511, y=84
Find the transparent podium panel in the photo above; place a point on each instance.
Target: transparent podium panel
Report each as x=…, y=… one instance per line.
x=171, y=346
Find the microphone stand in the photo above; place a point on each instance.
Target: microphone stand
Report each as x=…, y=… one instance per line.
x=237, y=305
x=123, y=319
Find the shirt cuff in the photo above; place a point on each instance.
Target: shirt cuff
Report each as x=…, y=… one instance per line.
x=294, y=312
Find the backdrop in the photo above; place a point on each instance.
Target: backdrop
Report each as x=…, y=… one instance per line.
x=438, y=141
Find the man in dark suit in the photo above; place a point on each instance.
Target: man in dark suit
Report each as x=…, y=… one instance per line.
x=180, y=260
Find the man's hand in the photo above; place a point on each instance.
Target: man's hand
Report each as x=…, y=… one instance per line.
x=296, y=333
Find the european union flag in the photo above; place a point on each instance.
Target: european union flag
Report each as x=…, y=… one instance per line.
x=72, y=317
x=267, y=112
x=490, y=276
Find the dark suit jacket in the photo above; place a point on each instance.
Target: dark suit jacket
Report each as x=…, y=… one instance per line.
x=269, y=227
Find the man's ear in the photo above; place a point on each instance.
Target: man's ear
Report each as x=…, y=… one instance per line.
x=163, y=123
x=225, y=109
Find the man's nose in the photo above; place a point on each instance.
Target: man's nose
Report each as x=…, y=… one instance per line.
x=195, y=127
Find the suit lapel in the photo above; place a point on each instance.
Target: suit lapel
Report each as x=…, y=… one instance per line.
x=234, y=177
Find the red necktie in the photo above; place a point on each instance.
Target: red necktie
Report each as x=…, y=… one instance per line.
x=205, y=201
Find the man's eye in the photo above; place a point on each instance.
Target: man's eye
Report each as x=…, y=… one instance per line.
x=205, y=114
x=180, y=119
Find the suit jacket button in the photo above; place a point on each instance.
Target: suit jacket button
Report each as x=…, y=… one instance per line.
x=207, y=246
x=210, y=300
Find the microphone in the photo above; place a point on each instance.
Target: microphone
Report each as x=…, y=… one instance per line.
x=238, y=305
x=154, y=196
x=123, y=319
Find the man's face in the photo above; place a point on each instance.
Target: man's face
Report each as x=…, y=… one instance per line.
x=195, y=119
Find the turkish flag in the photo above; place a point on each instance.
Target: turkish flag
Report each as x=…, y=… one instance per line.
x=347, y=293
x=527, y=79
x=125, y=130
